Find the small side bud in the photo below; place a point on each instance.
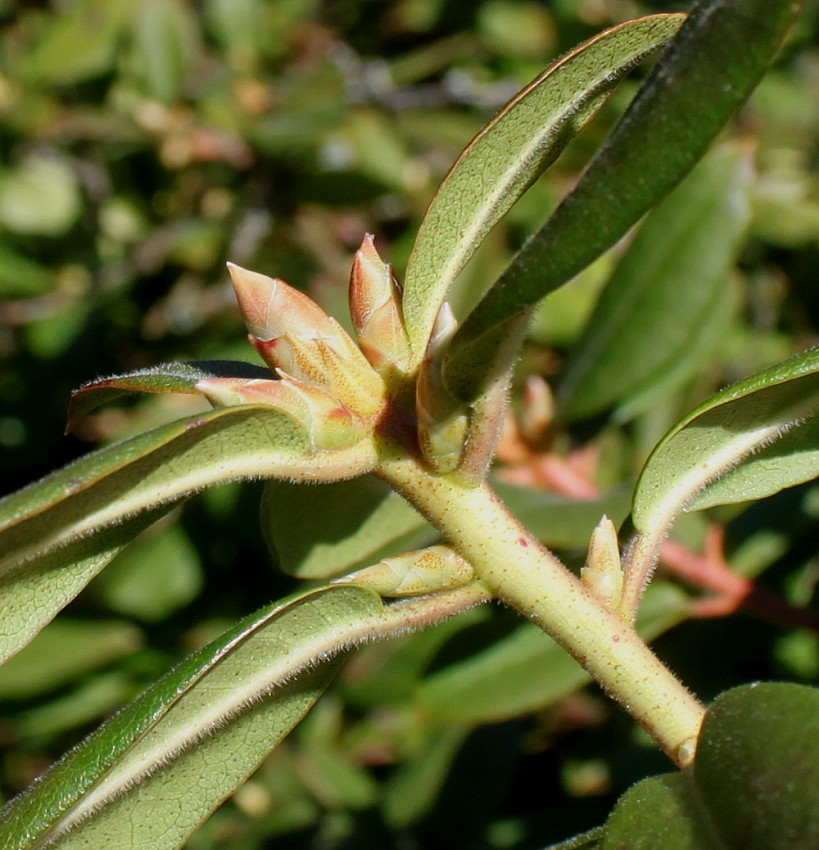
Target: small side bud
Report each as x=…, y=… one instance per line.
x=328, y=423
x=442, y=421
x=538, y=409
x=603, y=574
x=686, y=752
x=375, y=308
x=414, y=573
x=479, y=416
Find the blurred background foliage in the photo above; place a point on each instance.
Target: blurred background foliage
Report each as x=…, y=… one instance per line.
x=145, y=142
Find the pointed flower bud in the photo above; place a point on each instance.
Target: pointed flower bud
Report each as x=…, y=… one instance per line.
x=292, y=333
x=329, y=424
x=414, y=573
x=375, y=307
x=442, y=421
x=603, y=574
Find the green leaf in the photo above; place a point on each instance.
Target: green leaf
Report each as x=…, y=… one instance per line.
x=320, y=533
x=559, y=522
x=162, y=378
x=91, y=700
x=416, y=784
x=78, y=44
x=151, y=469
x=64, y=651
x=526, y=671
x=661, y=811
x=389, y=674
x=792, y=459
x=57, y=533
x=52, y=336
x=336, y=779
x=670, y=298
x=166, y=38
x=587, y=841
x=33, y=593
x=257, y=26
x=751, y=440
x=20, y=276
x=156, y=575
x=759, y=765
x=505, y=158
x=718, y=57
x=754, y=783
x=39, y=197
x=154, y=771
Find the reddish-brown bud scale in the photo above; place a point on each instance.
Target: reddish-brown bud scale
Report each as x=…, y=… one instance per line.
x=375, y=308
x=293, y=334
x=329, y=424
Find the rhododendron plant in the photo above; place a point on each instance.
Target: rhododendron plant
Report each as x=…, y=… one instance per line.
x=418, y=399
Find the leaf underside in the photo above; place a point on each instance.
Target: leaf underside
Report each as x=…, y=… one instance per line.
x=48, y=530
x=152, y=773
x=163, y=378
x=749, y=441
x=503, y=160
x=717, y=58
x=324, y=532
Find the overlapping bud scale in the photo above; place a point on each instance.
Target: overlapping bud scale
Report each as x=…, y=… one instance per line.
x=338, y=389
x=375, y=308
x=329, y=424
x=443, y=424
x=294, y=335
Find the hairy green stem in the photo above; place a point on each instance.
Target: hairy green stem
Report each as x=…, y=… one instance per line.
x=526, y=576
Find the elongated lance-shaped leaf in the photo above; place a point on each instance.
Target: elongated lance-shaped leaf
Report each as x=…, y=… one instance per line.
x=501, y=162
x=163, y=378
x=761, y=432
x=160, y=466
x=749, y=441
x=716, y=60
x=31, y=595
x=154, y=771
x=157, y=468
x=320, y=532
x=658, y=319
